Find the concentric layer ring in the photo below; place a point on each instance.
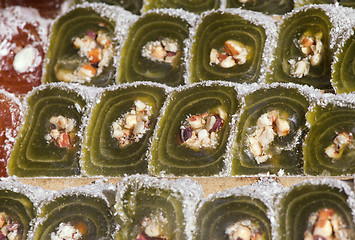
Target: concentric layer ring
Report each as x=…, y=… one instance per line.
x=19, y=208
x=102, y=154
x=265, y=6
x=344, y=67
x=326, y=123
x=62, y=54
x=285, y=150
x=154, y=27
x=214, y=30
x=33, y=154
x=196, y=6
x=216, y=215
x=297, y=205
x=90, y=215
x=303, y=23
x=170, y=156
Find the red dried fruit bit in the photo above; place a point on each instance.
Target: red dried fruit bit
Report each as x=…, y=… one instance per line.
x=218, y=124
x=185, y=134
x=64, y=140
x=92, y=34
x=171, y=54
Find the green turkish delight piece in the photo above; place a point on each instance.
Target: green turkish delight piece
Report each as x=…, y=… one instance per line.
x=75, y=215
x=119, y=130
x=316, y=209
x=82, y=48
x=303, y=52
x=48, y=143
x=193, y=131
x=229, y=46
x=154, y=49
x=329, y=145
x=270, y=131
x=151, y=208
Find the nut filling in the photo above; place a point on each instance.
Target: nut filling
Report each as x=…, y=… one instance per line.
x=234, y=53
x=66, y=231
x=326, y=225
x=61, y=131
x=153, y=228
x=163, y=50
x=133, y=125
x=96, y=51
x=200, y=131
x=340, y=142
x=244, y=230
x=8, y=228
x=268, y=126
x=311, y=47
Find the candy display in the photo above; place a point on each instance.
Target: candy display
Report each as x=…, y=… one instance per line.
x=163, y=120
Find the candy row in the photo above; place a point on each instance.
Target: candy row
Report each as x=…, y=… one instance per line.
x=205, y=129
x=142, y=207
x=100, y=45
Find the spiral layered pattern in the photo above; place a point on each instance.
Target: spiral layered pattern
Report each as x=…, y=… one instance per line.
x=196, y=6
x=326, y=122
x=102, y=152
x=140, y=201
x=265, y=6
x=150, y=28
x=19, y=208
x=91, y=215
x=33, y=155
x=62, y=54
x=216, y=215
x=214, y=30
x=310, y=21
x=344, y=68
x=285, y=150
x=297, y=205
x=171, y=157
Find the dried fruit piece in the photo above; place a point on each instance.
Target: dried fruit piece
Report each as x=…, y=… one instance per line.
x=200, y=131
x=165, y=50
x=60, y=131
x=268, y=126
x=235, y=53
x=133, y=125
